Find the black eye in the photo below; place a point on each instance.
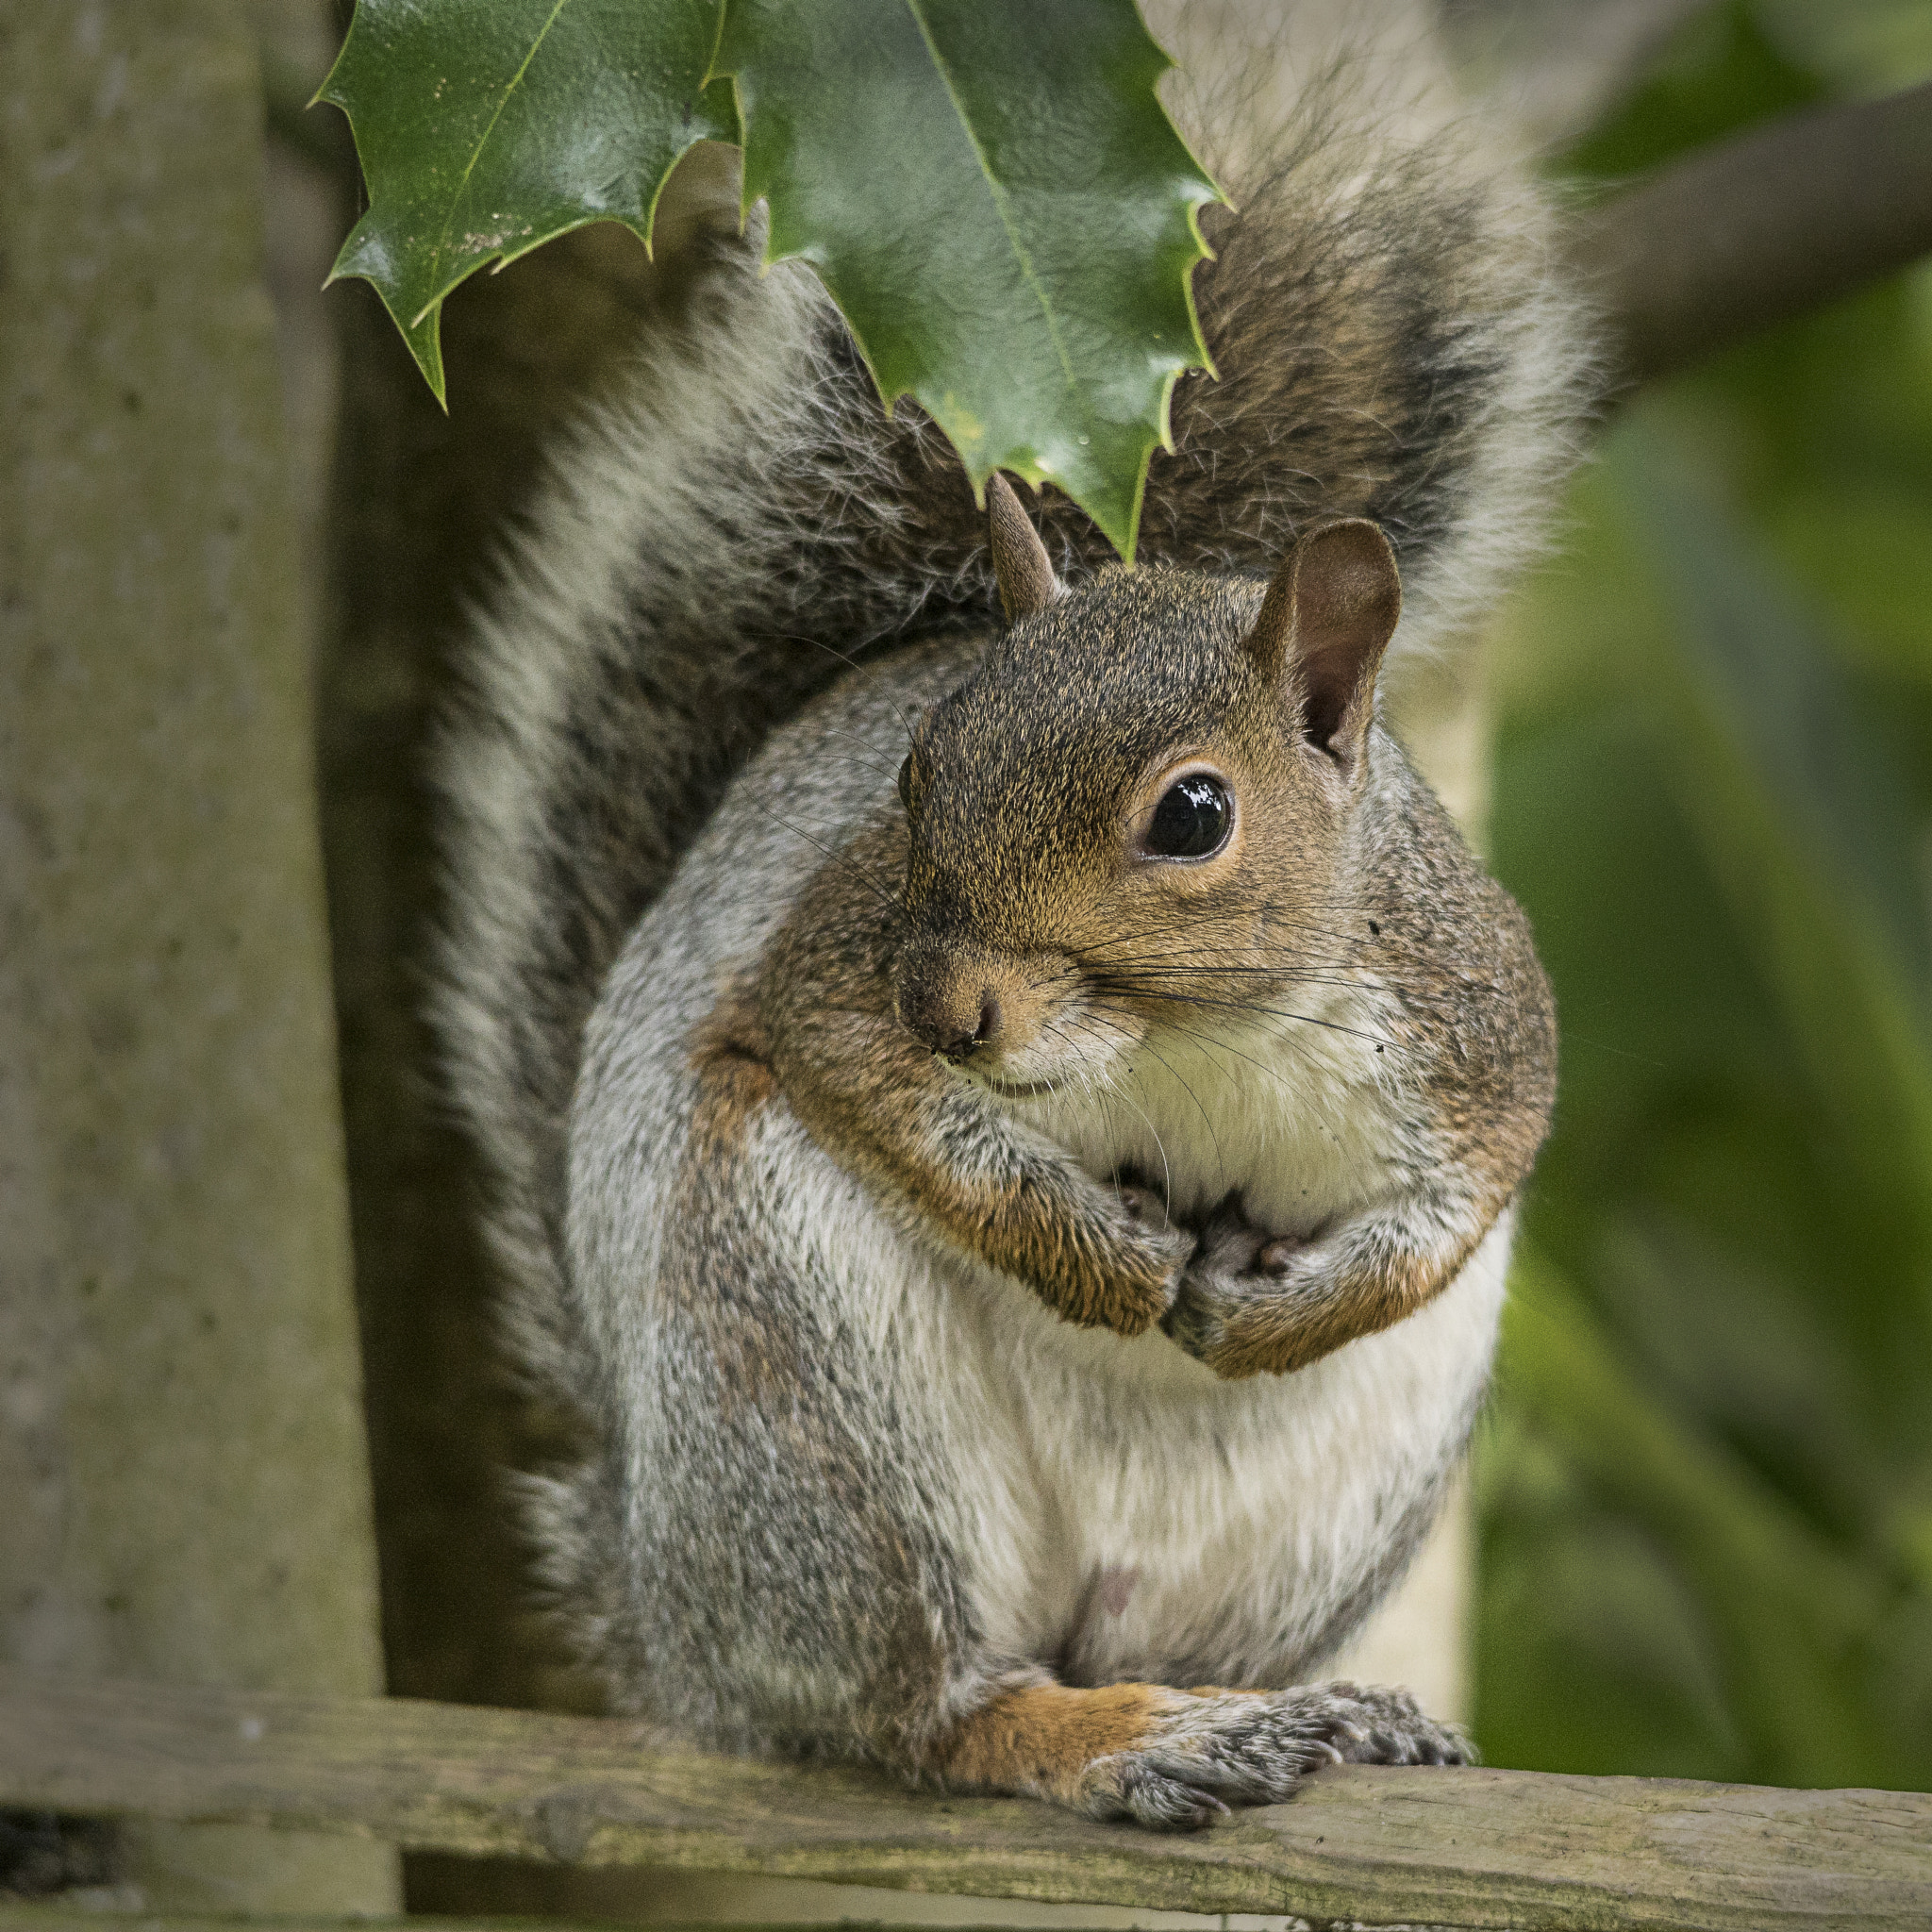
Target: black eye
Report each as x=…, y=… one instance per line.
x=1191, y=820
x=906, y=782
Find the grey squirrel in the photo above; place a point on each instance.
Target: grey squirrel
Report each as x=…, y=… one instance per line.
x=1005, y=1134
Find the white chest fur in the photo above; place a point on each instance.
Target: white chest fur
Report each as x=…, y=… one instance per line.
x=1289, y=1107
x=1144, y=1519
x=1125, y=1514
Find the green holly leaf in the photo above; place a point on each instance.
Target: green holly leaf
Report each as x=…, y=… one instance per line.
x=995, y=199
x=488, y=126
x=989, y=188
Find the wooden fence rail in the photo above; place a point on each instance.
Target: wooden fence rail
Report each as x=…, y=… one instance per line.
x=1359, y=1845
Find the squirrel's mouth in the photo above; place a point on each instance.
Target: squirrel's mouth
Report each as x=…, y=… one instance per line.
x=1014, y=1090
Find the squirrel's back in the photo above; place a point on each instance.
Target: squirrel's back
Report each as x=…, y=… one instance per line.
x=720, y=541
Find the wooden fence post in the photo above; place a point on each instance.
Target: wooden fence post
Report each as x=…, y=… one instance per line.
x=181, y=1448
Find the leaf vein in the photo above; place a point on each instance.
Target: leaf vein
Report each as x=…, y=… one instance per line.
x=998, y=191
x=516, y=80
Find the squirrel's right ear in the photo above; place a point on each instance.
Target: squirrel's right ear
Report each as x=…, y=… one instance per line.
x=1020, y=566
x=1328, y=618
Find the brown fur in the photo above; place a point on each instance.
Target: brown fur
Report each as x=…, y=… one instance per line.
x=1270, y=1337
x=1042, y=1741
x=873, y=1096
x=733, y=1061
x=1026, y=792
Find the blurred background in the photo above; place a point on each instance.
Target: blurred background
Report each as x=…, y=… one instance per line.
x=1705, y=1491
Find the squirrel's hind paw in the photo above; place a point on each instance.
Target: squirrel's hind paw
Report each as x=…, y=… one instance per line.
x=1246, y=1748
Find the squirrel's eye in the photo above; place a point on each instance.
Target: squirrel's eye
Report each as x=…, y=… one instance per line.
x=906, y=782
x=1192, y=819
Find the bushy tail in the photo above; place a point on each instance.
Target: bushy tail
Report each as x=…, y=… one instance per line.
x=719, y=543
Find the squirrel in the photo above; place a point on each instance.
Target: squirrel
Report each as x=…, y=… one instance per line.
x=1004, y=1129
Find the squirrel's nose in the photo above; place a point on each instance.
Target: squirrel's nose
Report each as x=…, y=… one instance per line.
x=989, y=1028
x=953, y=1024
x=963, y=1045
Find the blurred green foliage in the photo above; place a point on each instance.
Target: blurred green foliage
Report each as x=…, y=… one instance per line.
x=1705, y=1492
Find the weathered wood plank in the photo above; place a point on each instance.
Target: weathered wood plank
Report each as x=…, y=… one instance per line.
x=1469, y=1848
x=59, y=1915
x=88, y=1915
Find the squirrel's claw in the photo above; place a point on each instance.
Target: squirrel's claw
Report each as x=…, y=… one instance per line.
x=1278, y=1257
x=1221, y=1749
x=1143, y=1205
x=1234, y=1263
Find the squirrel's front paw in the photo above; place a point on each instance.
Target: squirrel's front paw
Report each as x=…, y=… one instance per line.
x=1143, y=1205
x=1134, y=1261
x=1236, y=1268
x=1172, y=1243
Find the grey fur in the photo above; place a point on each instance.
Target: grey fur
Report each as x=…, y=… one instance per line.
x=1255, y=1751
x=820, y=1435
x=710, y=550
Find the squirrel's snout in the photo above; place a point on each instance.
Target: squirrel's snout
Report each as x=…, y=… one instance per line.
x=950, y=1015
x=986, y=1033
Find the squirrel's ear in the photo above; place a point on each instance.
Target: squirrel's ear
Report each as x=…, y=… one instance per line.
x=1020, y=566
x=1328, y=618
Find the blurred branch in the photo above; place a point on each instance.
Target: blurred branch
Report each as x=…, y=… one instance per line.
x=1759, y=228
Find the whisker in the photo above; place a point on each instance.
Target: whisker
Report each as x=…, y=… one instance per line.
x=851, y=865
x=857, y=664
x=1207, y=1119
x=1279, y=1013
x=883, y=769
x=1160, y=1146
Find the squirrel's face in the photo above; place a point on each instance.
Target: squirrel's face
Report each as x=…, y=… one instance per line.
x=1137, y=813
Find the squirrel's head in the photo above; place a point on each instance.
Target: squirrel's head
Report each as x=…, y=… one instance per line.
x=1137, y=810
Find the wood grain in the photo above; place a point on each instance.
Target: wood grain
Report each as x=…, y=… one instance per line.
x=53, y=1915
x=1469, y=1847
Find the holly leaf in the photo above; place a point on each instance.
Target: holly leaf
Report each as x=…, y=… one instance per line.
x=989, y=188
x=487, y=127
x=995, y=199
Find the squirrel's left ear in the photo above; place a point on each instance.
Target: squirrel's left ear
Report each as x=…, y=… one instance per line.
x=1020, y=566
x=1328, y=618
